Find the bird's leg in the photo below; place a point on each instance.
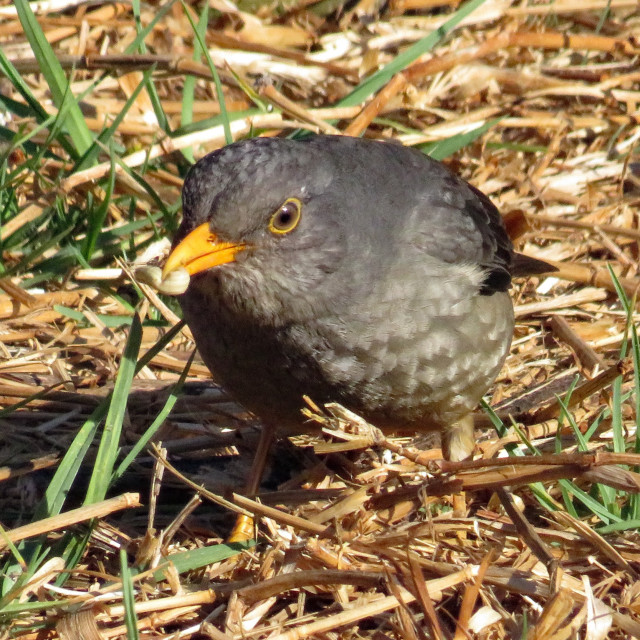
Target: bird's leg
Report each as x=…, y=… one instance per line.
x=243, y=528
x=458, y=443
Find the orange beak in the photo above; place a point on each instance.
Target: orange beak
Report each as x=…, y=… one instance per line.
x=201, y=250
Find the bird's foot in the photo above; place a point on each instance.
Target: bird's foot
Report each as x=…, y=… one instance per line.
x=242, y=529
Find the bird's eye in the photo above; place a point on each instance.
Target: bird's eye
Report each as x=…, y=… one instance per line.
x=286, y=218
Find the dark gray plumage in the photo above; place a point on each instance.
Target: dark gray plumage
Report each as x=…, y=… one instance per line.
x=389, y=296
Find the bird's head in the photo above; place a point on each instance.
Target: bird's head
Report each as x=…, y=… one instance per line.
x=261, y=228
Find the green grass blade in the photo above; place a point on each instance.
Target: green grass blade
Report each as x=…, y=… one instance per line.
x=214, y=121
x=444, y=148
x=607, y=494
x=106, y=136
x=617, y=426
x=17, y=556
x=634, y=500
x=567, y=487
x=13, y=106
x=598, y=509
x=616, y=527
x=160, y=345
x=97, y=216
x=400, y=62
x=496, y=421
x=143, y=32
x=156, y=103
x=30, y=258
x=128, y=597
x=36, y=108
x=23, y=89
x=19, y=140
x=110, y=441
x=157, y=423
x=188, y=90
x=15, y=608
x=64, y=476
x=216, y=77
x=55, y=77
x=76, y=543
x=197, y=558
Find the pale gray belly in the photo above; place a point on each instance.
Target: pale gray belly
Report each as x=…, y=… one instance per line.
x=397, y=367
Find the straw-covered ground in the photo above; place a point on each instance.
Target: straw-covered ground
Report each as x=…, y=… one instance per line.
x=114, y=456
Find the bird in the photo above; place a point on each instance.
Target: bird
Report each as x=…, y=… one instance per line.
x=348, y=270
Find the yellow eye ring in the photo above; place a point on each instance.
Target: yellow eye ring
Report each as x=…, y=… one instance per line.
x=285, y=219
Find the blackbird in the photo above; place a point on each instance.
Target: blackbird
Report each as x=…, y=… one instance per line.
x=349, y=270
